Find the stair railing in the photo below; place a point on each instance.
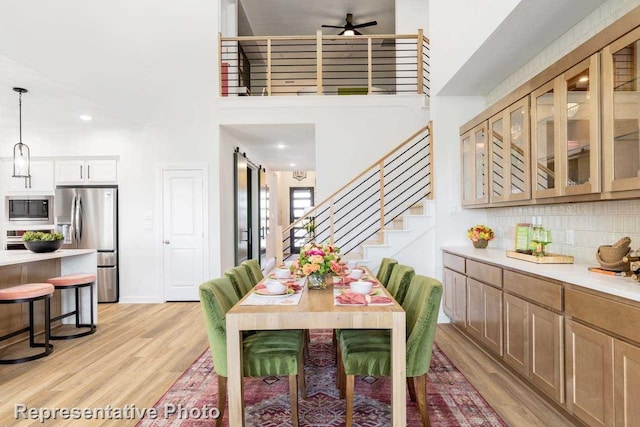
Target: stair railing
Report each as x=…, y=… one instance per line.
x=373, y=199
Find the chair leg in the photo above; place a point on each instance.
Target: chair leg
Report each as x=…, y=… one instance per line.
x=334, y=348
x=293, y=391
x=222, y=398
x=305, y=345
x=340, y=375
x=422, y=399
x=302, y=381
x=412, y=389
x=350, y=379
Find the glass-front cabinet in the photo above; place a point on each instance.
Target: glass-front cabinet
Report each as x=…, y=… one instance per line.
x=565, y=133
x=509, y=165
x=475, y=170
x=621, y=113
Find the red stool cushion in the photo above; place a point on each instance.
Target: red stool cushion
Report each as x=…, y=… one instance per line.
x=72, y=279
x=30, y=290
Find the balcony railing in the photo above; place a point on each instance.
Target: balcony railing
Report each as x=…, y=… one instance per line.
x=324, y=65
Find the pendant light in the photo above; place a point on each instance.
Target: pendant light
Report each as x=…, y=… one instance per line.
x=21, y=152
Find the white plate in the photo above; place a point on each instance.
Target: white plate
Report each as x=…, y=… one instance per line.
x=288, y=293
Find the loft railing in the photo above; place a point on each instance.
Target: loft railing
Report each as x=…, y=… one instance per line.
x=324, y=65
x=363, y=207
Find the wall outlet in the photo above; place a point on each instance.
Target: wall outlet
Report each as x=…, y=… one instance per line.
x=569, y=237
x=147, y=225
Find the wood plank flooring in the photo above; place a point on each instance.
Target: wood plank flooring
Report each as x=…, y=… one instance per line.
x=140, y=350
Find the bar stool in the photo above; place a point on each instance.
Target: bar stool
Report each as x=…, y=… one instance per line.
x=29, y=293
x=75, y=281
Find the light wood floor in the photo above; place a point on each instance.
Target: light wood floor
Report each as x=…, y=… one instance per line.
x=141, y=349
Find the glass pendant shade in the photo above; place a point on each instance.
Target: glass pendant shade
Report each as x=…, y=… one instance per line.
x=21, y=161
x=21, y=152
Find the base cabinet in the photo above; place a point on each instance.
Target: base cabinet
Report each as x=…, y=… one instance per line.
x=475, y=309
x=589, y=374
x=547, y=351
x=492, y=336
x=516, y=333
x=455, y=297
x=627, y=384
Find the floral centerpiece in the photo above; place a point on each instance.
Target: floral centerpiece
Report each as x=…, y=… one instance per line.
x=317, y=261
x=480, y=235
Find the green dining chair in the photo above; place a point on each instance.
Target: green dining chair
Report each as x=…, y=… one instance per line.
x=264, y=353
x=369, y=352
x=384, y=272
x=399, y=281
x=253, y=268
x=240, y=280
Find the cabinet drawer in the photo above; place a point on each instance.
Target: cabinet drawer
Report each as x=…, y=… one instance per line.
x=484, y=272
x=534, y=289
x=619, y=318
x=454, y=262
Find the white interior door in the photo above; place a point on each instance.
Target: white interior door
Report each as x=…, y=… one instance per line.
x=183, y=233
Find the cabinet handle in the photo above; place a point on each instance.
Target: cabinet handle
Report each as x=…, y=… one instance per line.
x=80, y=171
x=88, y=171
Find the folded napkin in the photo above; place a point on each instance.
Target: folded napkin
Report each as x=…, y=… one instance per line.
x=351, y=298
x=380, y=299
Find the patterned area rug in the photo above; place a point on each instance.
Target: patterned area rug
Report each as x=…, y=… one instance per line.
x=452, y=400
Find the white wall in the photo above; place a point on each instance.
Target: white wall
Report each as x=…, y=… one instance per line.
x=457, y=29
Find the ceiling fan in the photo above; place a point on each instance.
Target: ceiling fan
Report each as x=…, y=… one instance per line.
x=349, y=29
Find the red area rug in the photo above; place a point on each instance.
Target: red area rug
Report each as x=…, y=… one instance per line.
x=451, y=400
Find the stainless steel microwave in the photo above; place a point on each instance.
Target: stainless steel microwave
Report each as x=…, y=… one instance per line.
x=29, y=210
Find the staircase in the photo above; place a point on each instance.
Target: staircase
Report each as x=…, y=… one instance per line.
x=381, y=211
x=402, y=232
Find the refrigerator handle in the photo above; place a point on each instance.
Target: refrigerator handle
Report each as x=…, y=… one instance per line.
x=74, y=232
x=79, y=217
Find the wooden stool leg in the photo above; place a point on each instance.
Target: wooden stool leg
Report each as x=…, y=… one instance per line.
x=293, y=391
x=412, y=389
x=422, y=399
x=350, y=379
x=222, y=398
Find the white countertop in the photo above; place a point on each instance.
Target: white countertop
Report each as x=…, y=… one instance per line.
x=24, y=256
x=575, y=274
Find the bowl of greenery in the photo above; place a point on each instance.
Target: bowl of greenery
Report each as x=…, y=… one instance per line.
x=39, y=242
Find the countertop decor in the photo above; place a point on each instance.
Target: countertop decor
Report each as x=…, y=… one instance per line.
x=480, y=235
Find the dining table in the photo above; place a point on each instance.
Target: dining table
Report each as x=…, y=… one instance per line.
x=315, y=309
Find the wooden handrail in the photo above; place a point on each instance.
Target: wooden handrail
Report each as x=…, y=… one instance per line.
x=360, y=175
x=521, y=152
x=327, y=37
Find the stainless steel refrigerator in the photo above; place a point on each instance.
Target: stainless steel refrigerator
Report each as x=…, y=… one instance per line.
x=88, y=219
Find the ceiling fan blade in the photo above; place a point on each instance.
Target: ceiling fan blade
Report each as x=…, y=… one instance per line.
x=357, y=33
x=341, y=32
x=332, y=26
x=366, y=24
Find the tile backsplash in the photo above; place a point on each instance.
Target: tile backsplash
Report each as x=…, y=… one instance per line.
x=590, y=224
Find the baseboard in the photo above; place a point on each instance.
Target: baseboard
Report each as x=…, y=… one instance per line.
x=140, y=300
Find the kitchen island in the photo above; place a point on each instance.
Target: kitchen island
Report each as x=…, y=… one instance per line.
x=22, y=266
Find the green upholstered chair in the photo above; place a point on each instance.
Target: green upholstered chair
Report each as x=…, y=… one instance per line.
x=265, y=353
x=253, y=268
x=369, y=353
x=399, y=281
x=240, y=280
x=384, y=272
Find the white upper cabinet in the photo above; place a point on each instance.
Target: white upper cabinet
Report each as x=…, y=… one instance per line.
x=86, y=172
x=41, y=181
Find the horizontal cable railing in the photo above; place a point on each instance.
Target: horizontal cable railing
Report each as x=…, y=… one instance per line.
x=361, y=209
x=324, y=65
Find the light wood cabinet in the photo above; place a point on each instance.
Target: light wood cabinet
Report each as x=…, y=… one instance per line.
x=475, y=166
x=620, y=117
x=547, y=351
x=509, y=165
x=492, y=328
x=589, y=374
x=627, y=384
x=455, y=297
x=86, y=172
x=41, y=181
x=475, y=309
x=516, y=333
x=565, y=133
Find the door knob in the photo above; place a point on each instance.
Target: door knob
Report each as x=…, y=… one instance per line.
x=166, y=242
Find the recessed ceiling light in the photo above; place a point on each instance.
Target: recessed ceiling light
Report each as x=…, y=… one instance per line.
x=281, y=146
x=292, y=164
x=85, y=117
